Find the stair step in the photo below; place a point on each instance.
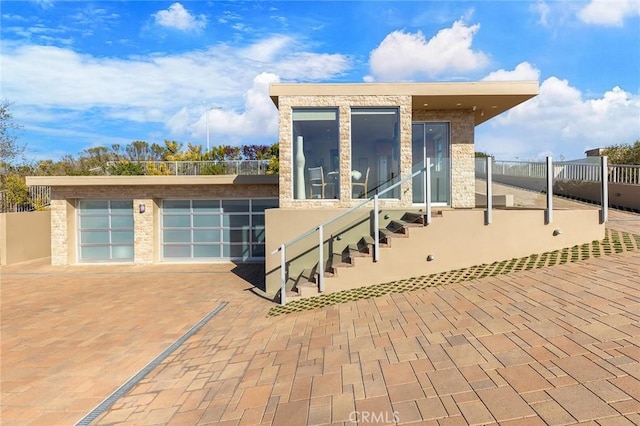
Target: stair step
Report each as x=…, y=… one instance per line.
x=307, y=289
x=398, y=227
x=414, y=217
x=308, y=275
x=368, y=240
x=353, y=250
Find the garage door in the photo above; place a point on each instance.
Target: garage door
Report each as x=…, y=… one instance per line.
x=105, y=230
x=214, y=229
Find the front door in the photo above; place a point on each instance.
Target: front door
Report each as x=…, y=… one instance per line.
x=431, y=139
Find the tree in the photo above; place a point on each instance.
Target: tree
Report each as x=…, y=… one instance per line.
x=9, y=147
x=623, y=154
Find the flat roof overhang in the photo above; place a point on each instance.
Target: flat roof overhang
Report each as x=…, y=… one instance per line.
x=486, y=99
x=152, y=180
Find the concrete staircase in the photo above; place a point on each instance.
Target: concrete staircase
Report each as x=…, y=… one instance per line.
x=306, y=284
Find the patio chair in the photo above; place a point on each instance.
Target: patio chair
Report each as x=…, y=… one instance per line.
x=317, y=183
x=362, y=184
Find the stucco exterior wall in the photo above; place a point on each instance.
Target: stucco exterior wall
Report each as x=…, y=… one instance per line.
x=64, y=201
x=24, y=236
x=459, y=238
x=462, y=148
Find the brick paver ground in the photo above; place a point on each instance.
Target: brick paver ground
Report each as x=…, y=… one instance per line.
x=557, y=345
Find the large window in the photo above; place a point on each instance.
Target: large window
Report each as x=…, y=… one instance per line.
x=316, y=157
x=375, y=148
x=214, y=229
x=105, y=231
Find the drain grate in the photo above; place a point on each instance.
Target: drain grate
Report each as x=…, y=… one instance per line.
x=129, y=384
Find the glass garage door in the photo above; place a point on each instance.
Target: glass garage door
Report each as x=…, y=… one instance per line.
x=105, y=230
x=214, y=229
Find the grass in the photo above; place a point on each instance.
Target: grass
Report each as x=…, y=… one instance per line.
x=614, y=242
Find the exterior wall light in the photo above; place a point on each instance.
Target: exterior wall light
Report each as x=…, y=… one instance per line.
x=141, y=208
x=556, y=232
x=430, y=258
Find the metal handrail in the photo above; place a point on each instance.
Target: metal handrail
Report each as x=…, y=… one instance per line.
x=346, y=212
x=320, y=228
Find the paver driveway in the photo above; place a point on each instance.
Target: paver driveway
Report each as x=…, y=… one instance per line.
x=556, y=345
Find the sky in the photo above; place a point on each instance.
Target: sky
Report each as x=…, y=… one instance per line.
x=81, y=74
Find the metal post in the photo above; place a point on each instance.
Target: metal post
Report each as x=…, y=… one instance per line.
x=376, y=230
x=604, y=177
x=489, y=216
x=424, y=174
x=283, y=275
x=207, y=120
x=549, y=190
x=321, y=258
x=427, y=200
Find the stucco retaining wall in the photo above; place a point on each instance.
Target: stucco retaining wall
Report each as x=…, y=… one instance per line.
x=24, y=236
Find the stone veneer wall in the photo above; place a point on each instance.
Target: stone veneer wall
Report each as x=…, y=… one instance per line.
x=462, y=128
x=344, y=105
x=462, y=148
x=146, y=241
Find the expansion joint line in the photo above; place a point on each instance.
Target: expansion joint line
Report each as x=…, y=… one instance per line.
x=129, y=384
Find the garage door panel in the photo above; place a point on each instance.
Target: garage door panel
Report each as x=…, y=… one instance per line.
x=207, y=236
x=94, y=222
x=171, y=251
x=94, y=237
x=213, y=229
x=122, y=252
x=235, y=221
x=122, y=221
x=94, y=252
x=206, y=221
x=122, y=237
x=177, y=221
x=106, y=230
x=206, y=250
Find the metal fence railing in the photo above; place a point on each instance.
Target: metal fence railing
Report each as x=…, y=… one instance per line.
x=39, y=197
x=226, y=167
x=563, y=171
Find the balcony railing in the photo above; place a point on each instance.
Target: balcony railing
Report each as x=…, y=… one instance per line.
x=176, y=168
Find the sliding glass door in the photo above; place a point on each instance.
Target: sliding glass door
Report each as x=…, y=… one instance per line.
x=431, y=139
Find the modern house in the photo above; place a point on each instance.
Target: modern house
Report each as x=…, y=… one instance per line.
x=355, y=202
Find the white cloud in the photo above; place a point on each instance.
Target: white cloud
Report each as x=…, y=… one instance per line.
x=523, y=71
x=179, y=18
x=404, y=56
x=562, y=121
x=609, y=12
x=542, y=9
x=258, y=117
x=169, y=90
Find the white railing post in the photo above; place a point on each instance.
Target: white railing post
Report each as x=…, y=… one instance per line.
x=283, y=275
x=489, y=193
x=424, y=174
x=321, y=258
x=376, y=230
x=549, y=190
x=604, y=213
x=427, y=198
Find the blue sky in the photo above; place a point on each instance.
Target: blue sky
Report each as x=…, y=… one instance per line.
x=89, y=73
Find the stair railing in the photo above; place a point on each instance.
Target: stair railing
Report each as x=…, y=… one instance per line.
x=422, y=168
